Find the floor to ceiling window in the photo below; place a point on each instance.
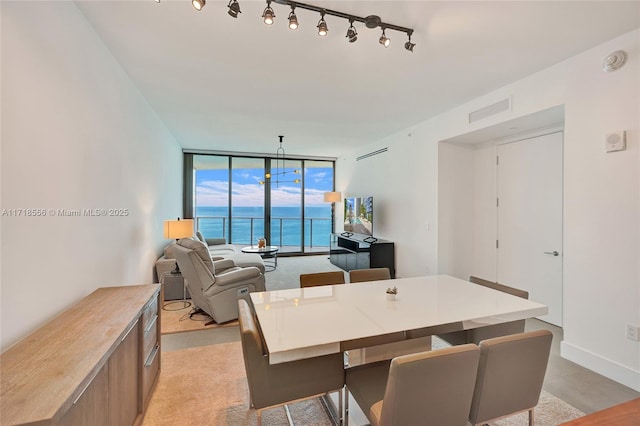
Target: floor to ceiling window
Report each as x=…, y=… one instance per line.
x=242, y=199
x=318, y=179
x=247, y=200
x=211, y=195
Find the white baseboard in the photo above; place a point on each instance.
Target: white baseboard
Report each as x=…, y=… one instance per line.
x=600, y=365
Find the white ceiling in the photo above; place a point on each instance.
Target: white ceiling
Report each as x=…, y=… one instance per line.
x=220, y=83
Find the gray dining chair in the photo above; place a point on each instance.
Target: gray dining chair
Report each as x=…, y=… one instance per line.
x=371, y=274
x=510, y=375
x=272, y=385
x=426, y=388
x=321, y=278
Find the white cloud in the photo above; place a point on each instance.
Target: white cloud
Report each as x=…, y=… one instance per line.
x=215, y=193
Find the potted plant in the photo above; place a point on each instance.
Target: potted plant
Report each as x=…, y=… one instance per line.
x=391, y=293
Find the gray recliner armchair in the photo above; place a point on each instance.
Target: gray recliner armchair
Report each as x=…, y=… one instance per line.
x=215, y=286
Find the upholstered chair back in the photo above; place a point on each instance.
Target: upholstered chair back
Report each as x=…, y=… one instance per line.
x=510, y=375
x=321, y=278
x=372, y=274
x=276, y=384
x=426, y=388
x=201, y=250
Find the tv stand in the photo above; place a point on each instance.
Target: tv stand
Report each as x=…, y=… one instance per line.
x=361, y=252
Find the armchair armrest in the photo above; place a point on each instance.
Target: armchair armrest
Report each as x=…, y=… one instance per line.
x=221, y=265
x=215, y=241
x=237, y=276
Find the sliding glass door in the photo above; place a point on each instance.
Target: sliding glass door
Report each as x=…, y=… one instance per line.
x=247, y=200
x=211, y=195
x=242, y=199
x=318, y=179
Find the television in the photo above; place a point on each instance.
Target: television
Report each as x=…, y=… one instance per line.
x=358, y=215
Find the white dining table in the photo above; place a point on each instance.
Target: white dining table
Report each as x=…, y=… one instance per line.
x=306, y=322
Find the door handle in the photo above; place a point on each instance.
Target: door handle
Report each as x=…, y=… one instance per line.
x=555, y=253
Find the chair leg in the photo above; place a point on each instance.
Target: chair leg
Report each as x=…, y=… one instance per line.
x=531, y=417
x=288, y=413
x=259, y=417
x=346, y=406
x=340, y=407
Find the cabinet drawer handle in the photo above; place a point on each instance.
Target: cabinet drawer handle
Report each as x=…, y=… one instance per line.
x=150, y=326
x=152, y=356
x=128, y=331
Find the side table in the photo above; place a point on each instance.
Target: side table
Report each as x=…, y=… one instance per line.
x=268, y=251
x=175, y=289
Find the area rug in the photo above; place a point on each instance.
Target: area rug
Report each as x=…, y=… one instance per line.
x=287, y=275
x=207, y=386
x=176, y=318
x=551, y=411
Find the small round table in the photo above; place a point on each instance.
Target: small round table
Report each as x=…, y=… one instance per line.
x=268, y=251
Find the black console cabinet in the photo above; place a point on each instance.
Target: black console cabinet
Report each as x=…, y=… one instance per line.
x=361, y=252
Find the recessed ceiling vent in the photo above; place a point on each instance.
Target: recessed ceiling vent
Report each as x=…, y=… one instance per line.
x=488, y=111
x=372, y=153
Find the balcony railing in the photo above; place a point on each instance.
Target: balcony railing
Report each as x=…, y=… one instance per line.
x=284, y=230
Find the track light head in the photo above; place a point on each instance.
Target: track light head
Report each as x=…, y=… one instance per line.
x=268, y=14
x=322, y=26
x=384, y=40
x=234, y=8
x=293, y=19
x=409, y=46
x=198, y=4
x=352, y=34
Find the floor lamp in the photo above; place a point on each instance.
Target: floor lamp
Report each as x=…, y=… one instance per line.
x=333, y=198
x=176, y=229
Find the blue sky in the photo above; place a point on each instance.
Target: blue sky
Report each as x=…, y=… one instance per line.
x=212, y=187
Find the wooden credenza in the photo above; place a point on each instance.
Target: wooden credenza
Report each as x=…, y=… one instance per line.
x=94, y=364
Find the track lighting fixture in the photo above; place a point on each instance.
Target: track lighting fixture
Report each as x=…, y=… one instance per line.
x=322, y=26
x=370, y=21
x=293, y=19
x=384, y=40
x=352, y=34
x=408, y=45
x=234, y=8
x=268, y=14
x=198, y=4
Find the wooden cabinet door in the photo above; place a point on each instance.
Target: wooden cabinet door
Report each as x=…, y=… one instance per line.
x=124, y=385
x=91, y=406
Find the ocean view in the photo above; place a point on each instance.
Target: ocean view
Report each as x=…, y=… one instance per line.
x=247, y=225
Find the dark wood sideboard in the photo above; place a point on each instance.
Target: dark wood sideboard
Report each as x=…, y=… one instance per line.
x=361, y=252
x=94, y=364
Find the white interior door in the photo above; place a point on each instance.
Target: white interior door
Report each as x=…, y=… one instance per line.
x=530, y=219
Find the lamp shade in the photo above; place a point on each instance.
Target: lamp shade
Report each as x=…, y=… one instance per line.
x=178, y=228
x=332, y=197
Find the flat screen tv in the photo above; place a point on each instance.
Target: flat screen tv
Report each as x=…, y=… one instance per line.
x=358, y=215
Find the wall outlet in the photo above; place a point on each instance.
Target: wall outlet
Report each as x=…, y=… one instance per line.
x=633, y=332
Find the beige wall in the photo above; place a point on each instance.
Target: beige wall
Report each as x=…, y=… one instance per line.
x=76, y=134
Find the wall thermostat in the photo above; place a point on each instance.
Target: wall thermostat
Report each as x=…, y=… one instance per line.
x=616, y=141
